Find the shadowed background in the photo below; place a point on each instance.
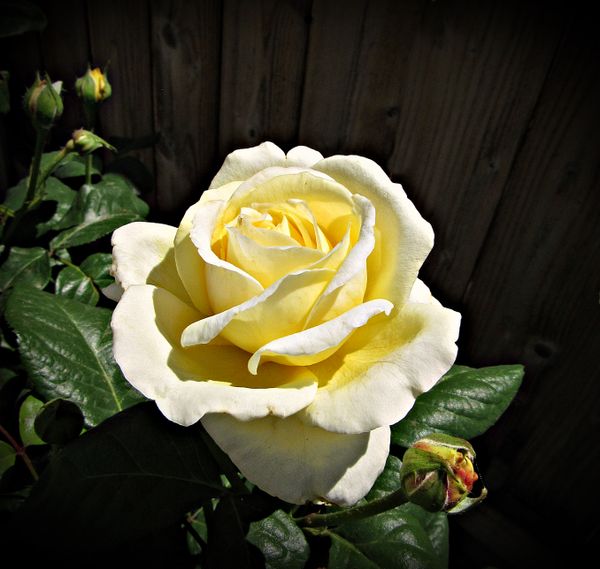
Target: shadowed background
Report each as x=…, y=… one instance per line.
x=487, y=112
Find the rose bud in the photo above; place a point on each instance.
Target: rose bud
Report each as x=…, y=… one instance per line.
x=438, y=473
x=84, y=142
x=43, y=102
x=93, y=86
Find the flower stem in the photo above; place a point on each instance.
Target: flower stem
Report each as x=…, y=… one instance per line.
x=20, y=450
x=40, y=142
x=372, y=508
x=88, y=169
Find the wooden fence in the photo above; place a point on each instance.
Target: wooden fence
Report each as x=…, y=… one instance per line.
x=487, y=112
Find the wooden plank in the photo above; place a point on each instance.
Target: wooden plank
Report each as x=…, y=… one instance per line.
x=534, y=295
x=20, y=56
x=65, y=49
x=331, y=73
x=474, y=75
x=439, y=94
x=262, y=71
x=120, y=36
x=186, y=42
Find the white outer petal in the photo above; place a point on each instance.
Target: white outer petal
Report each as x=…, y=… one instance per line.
x=303, y=156
x=244, y=163
x=143, y=253
x=376, y=376
x=146, y=326
x=296, y=462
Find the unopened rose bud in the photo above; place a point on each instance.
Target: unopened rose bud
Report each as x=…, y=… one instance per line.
x=93, y=87
x=84, y=142
x=43, y=102
x=438, y=473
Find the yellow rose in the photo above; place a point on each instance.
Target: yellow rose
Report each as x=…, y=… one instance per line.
x=286, y=314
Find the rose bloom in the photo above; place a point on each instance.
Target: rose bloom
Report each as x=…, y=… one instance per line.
x=285, y=313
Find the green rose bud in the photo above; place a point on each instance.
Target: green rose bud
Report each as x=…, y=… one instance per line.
x=438, y=473
x=43, y=102
x=93, y=87
x=84, y=142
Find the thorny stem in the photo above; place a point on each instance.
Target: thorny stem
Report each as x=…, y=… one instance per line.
x=192, y=531
x=20, y=450
x=388, y=502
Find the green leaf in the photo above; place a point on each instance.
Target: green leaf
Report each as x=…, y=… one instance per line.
x=59, y=421
x=464, y=403
x=25, y=266
x=388, y=481
x=8, y=456
x=198, y=522
x=72, y=282
x=27, y=414
x=402, y=538
x=99, y=209
x=15, y=196
x=135, y=474
x=75, y=167
x=91, y=230
x=56, y=191
x=97, y=267
x=281, y=541
x=20, y=16
x=66, y=347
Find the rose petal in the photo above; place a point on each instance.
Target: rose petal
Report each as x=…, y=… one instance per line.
x=143, y=253
x=267, y=264
x=330, y=202
x=403, y=237
x=297, y=462
x=347, y=287
x=315, y=344
x=240, y=285
x=190, y=266
x=279, y=311
x=242, y=164
x=374, y=379
x=303, y=156
x=186, y=384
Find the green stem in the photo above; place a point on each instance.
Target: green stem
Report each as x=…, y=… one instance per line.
x=388, y=502
x=40, y=142
x=20, y=450
x=192, y=531
x=88, y=169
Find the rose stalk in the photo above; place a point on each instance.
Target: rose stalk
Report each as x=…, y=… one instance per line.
x=285, y=313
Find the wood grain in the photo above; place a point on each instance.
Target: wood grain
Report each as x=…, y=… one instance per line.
x=331, y=73
x=21, y=57
x=534, y=296
x=186, y=41
x=120, y=37
x=65, y=50
x=262, y=69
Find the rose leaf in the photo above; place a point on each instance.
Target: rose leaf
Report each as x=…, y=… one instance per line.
x=66, y=347
x=402, y=538
x=25, y=266
x=134, y=475
x=281, y=541
x=72, y=282
x=465, y=403
x=97, y=267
